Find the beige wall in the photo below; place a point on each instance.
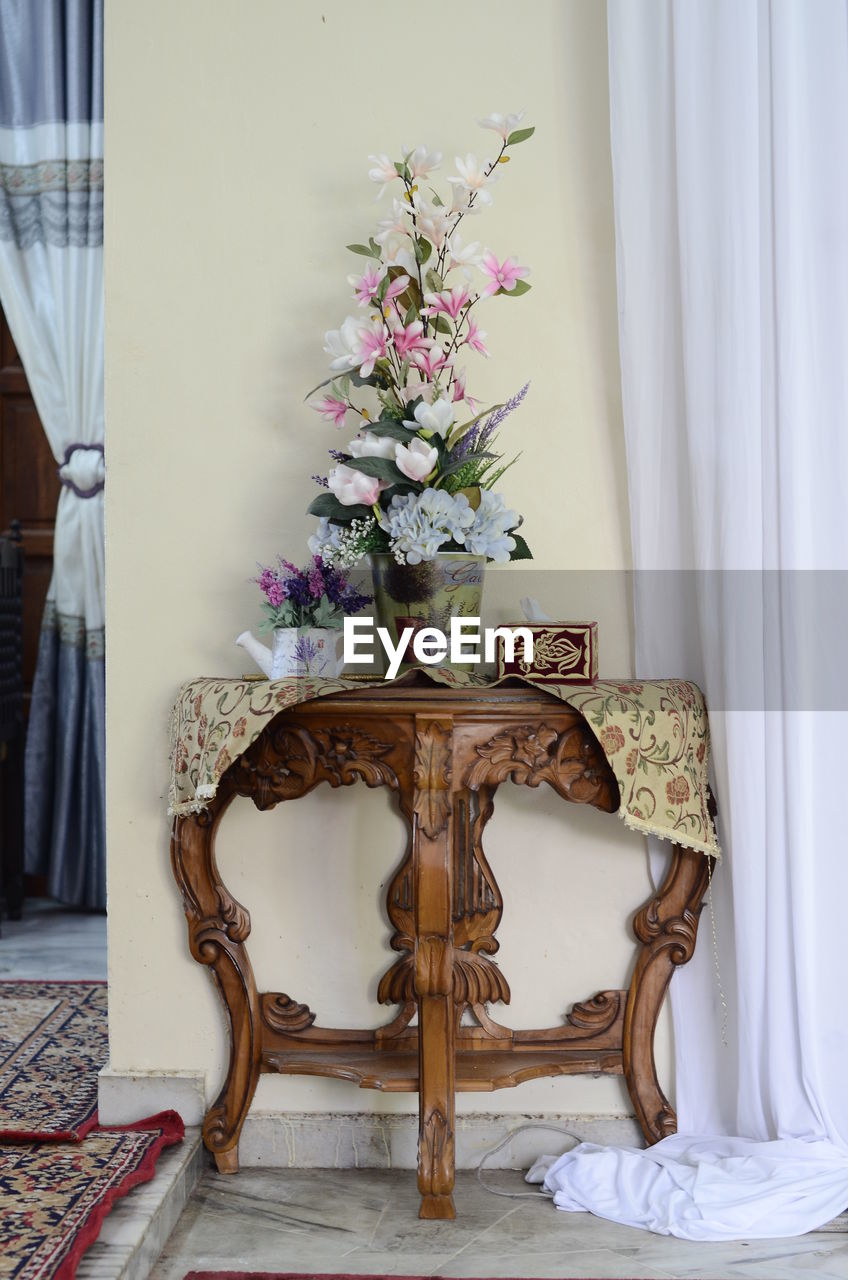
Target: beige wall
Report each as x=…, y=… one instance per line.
x=237, y=140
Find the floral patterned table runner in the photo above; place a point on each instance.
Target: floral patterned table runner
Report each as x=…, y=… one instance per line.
x=654, y=733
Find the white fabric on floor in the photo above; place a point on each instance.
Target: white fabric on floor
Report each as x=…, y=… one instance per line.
x=729, y=127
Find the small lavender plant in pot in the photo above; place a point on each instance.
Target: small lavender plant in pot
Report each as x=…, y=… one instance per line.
x=304, y=611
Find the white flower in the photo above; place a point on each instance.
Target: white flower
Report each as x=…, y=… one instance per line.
x=368, y=445
x=463, y=256
x=397, y=252
x=432, y=222
x=421, y=161
x=436, y=417
x=384, y=171
x=351, y=487
x=396, y=224
x=417, y=459
x=489, y=534
x=420, y=523
x=345, y=344
x=503, y=125
x=472, y=178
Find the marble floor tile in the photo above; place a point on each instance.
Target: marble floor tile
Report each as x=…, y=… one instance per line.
x=52, y=941
x=365, y=1222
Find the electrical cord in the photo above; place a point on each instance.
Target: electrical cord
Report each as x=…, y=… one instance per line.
x=522, y=1128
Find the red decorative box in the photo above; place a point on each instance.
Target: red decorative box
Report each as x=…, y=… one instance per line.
x=563, y=653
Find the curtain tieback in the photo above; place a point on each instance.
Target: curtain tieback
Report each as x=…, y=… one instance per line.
x=83, y=469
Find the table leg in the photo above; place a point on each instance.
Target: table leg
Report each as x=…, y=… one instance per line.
x=217, y=929
x=432, y=889
x=667, y=927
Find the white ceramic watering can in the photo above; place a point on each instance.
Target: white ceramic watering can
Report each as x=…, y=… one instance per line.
x=297, y=651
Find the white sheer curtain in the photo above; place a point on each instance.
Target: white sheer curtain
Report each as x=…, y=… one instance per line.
x=729, y=125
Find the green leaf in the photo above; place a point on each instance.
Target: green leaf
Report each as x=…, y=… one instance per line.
x=327, y=504
x=382, y=288
x=381, y=468
x=434, y=281
x=521, y=550
x=520, y=135
x=393, y=429
x=423, y=249
x=364, y=250
x=441, y=325
x=452, y=467
x=375, y=248
x=437, y=199
x=411, y=315
x=403, y=170
x=520, y=286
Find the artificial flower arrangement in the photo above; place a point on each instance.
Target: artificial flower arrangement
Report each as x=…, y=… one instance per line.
x=418, y=476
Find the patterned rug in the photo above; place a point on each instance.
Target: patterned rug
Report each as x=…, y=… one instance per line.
x=53, y=1042
x=54, y=1197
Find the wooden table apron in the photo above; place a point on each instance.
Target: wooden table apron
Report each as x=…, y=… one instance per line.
x=443, y=753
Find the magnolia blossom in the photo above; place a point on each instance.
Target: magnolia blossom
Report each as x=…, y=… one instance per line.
x=433, y=222
x=373, y=348
x=474, y=337
x=331, y=407
x=503, y=125
x=437, y=417
x=431, y=361
x=345, y=344
x=384, y=171
x=396, y=224
x=417, y=459
x=397, y=252
x=463, y=256
x=396, y=288
x=473, y=178
x=502, y=275
x=459, y=392
x=409, y=338
x=365, y=286
x=449, y=303
x=420, y=162
x=352, y=487
x=368, y=445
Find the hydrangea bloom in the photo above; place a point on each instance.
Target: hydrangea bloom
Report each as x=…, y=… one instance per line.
x=489, y=534
x=420, y=523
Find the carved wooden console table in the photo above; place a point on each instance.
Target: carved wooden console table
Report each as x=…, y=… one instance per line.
x=444, y=753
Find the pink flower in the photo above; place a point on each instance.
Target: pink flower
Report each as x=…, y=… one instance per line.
x=372, y=348
x=502, y=275
x=459, y=392
x=365, y=287
x=474, y=338
x=331, y=407
x=431, y=361
x=352, y=487
x=397, y=287
x=409, y=339
x=316, y=582
x=417, y=459
x=449, y=303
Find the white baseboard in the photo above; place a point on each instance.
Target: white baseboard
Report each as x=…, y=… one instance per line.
x=127, y=1096
x=353, y=1140
x=362, y=1140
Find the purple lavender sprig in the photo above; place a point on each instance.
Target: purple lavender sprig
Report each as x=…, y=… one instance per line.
x=476, y=440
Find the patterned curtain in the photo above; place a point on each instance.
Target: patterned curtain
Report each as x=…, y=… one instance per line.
x=51, y=289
